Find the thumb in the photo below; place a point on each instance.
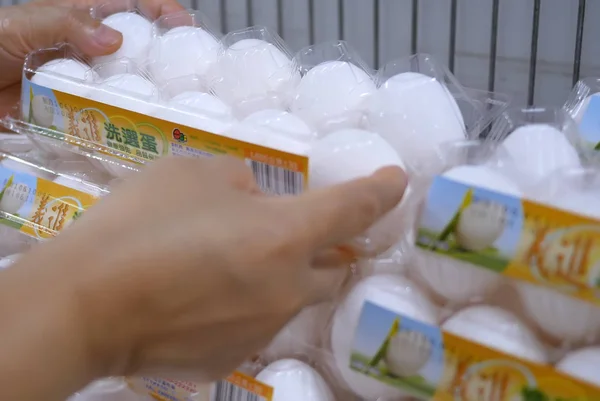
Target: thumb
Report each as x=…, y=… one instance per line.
x=36, y=26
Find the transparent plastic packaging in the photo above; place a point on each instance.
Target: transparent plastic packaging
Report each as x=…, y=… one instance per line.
x=128, y=18
x=402, y=297
x=419, y=105
x=184, y=45
x=557, y=314
x=537, y=142
x=36, y=203
x=255, y=70
x=108, y=389
x=335, y=87
x=582, y=105
x=473, y=225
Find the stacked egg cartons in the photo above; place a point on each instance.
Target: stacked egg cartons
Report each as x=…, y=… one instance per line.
x=324, y=103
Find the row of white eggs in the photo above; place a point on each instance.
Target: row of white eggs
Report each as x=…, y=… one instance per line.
x=256, y=69
x=406, y=108
x=489, y=325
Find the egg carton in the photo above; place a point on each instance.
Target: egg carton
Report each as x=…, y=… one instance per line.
x=581, y=105
x=387, y=338
x=246, y=78
x=542, y=318
x=391, y=340
x=109, y=389
x=37, y=202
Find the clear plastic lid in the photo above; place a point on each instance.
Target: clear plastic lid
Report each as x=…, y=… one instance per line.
x=335, y=87
x=184, y=45
x=255, y=71
x=537, y=142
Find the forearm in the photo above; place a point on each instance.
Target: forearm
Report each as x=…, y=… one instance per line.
x=43, y=352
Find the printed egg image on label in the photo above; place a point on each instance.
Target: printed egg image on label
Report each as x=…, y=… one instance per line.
x=479, y=225
x=13, y=198
x=42, y=111
x=407, y=353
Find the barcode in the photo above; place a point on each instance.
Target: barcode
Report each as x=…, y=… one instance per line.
x=226, y=391
x=276, y=180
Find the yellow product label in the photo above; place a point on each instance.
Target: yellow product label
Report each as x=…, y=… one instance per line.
x=38, y=207
x=239, y=386
x=427, y=363
x=140, y=138
x=519, y=238
x=473, y=373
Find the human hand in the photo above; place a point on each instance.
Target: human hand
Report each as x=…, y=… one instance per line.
x=45, y=23
x=187, y=270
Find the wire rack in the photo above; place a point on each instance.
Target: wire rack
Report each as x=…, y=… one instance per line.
x=533, y=50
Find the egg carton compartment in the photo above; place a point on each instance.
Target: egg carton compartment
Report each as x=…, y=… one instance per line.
x=479, y=217
x=36, y=203
x=122, y=113
x=419, y=105
x=255, y=71
x=389, y=338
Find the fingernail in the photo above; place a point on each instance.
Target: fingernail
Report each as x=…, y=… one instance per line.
x=106, y=36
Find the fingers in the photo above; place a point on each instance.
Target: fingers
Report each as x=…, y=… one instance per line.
x=150, y=8
x=333, y=215
x=227, y=170
x=326, y=283
x=38, y=26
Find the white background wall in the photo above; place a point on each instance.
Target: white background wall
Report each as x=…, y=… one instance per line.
x=556, y=44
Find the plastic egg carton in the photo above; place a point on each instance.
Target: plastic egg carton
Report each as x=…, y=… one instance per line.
x=471, y=222
x=37, y=202
x=581, y=105
x=246, y=86
x=109, y=389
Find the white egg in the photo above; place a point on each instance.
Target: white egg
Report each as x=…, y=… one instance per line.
x=8, y=261
x=348, y=154
x=128, y=91
x=109, y=389
x=63, y=75
x=137, y=36
x=560, y=316
x=282, y=123
x=301, y=336
x=182, y=51
x=415, y=113
x=392, y=292
x=198, y=110
x=293, y=380
x=333, y=95
x=582, y=364
x=81, y=186
x=455, y=280
x=498, y=329
x=274, y=129
x=538, y=150
x=15, y=144
x=255, y=75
